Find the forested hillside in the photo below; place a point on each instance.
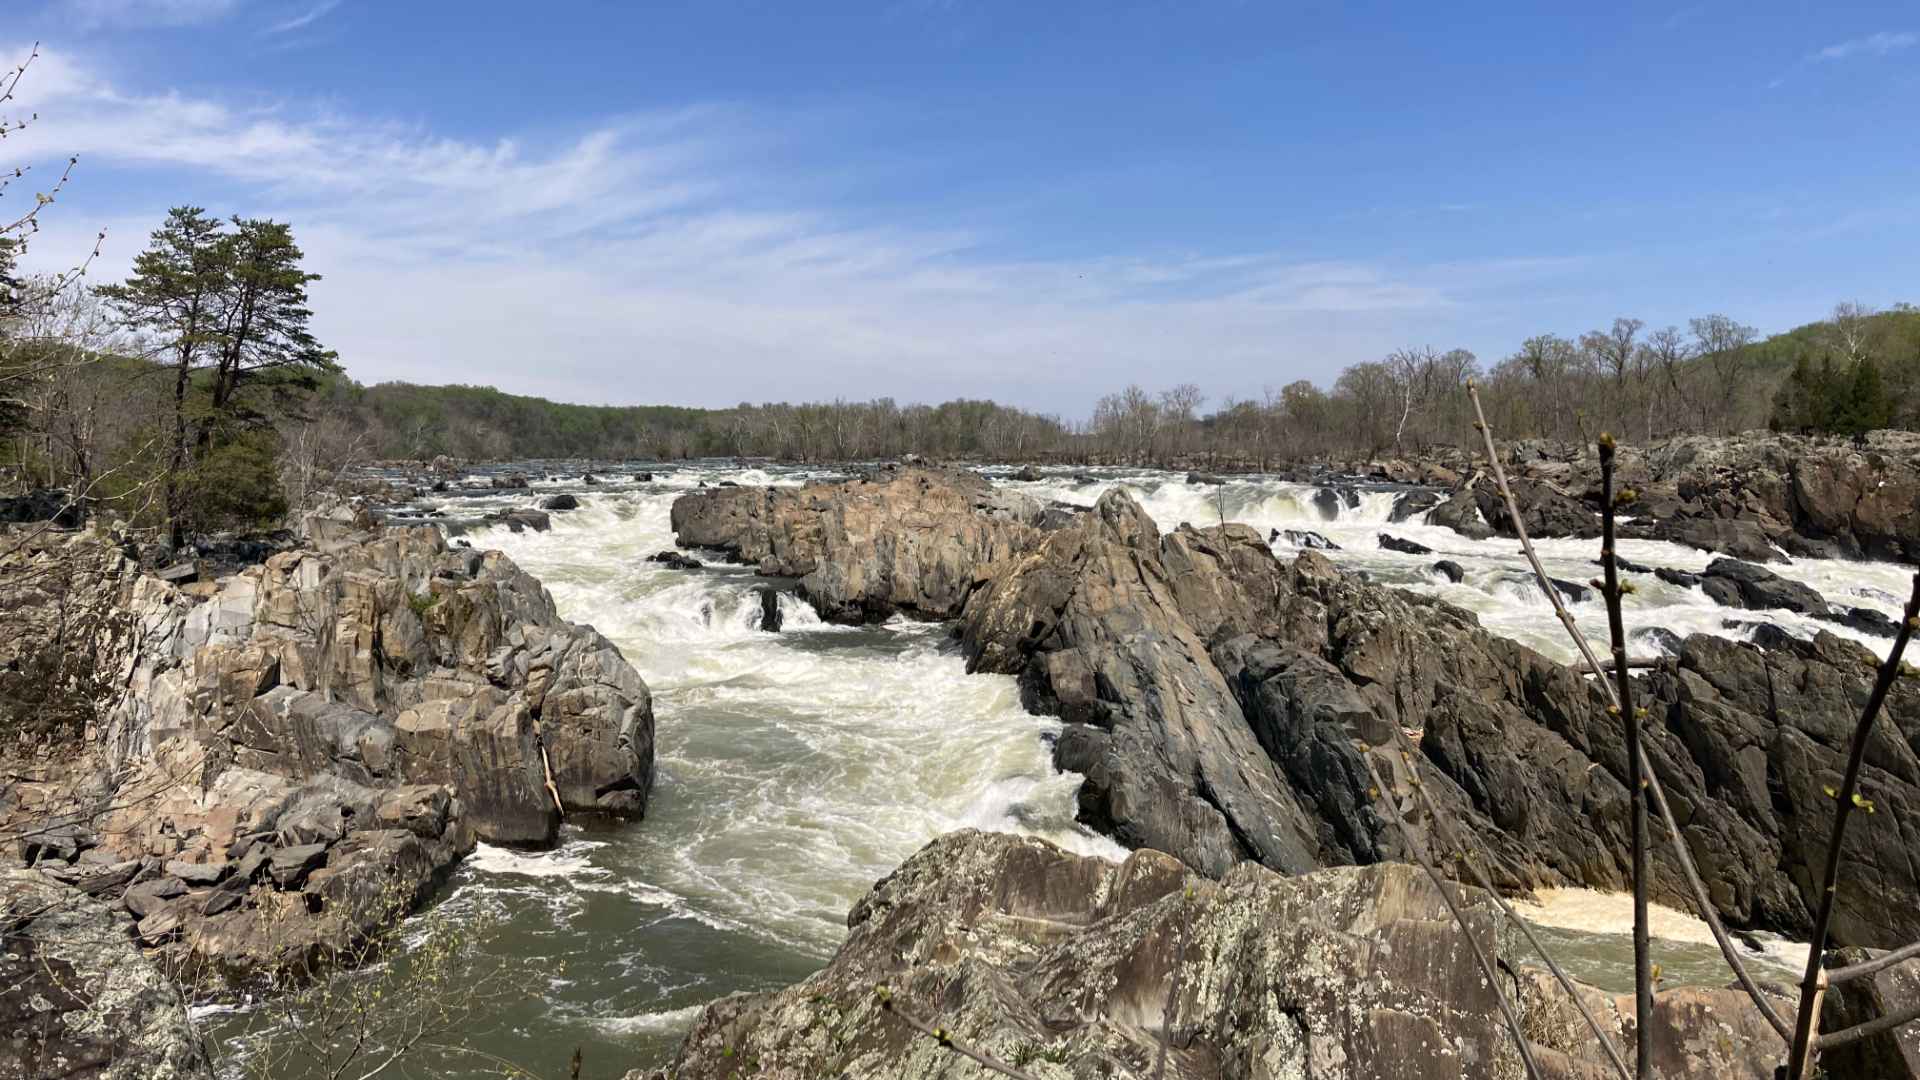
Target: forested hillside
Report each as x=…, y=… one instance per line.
x=1716, y=376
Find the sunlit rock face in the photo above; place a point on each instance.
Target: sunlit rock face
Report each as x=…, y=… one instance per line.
x=304, y=748
x=1064, y=965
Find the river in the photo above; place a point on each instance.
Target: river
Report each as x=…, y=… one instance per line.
x=796, y=769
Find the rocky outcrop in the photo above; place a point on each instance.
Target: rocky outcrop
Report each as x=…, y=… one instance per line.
x=1091, y=621
x=1062, y=965
x=1744, y=585
x=1545, y=509
x=1213, y=696
x=1745, y=496
x=51, y=506
x=78, y=999
x=1461, y=513
x=902, y=541
x=301, y=750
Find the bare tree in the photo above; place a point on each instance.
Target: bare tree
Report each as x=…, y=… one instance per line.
x=1722, y=344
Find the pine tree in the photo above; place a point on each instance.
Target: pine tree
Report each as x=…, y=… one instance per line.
x=264, y=319
x=1867, y=404
x=176, y=292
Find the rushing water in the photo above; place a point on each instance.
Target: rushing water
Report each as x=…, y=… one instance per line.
x=795, y=769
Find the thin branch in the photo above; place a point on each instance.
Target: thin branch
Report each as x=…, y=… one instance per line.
x=1419, y=853
x=1815, y=983
x=945, y=1038
x=1899, y=1017
x=1655, y=790
x=1452, y=839
x=1636, y=794
x=1836, y=976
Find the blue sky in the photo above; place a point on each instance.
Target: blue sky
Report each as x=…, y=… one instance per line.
x=709, y=202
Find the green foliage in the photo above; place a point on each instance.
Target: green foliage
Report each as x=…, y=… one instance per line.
x=1830, y=401
x=235, y=484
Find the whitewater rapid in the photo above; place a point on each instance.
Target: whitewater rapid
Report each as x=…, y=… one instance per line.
x=1498, y=585
x=796, y=769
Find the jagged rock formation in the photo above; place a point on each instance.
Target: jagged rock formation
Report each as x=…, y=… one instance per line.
x=77, y=999
x=1545, y=509
x=1213, y=695
x=1165, y=654
x=903, y=541
x=302, y=749
x=1062, y=965
x=1746, y=496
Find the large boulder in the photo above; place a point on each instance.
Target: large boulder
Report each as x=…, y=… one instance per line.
x=1092, y=622
x=1545, y=509
x=901, y=541
x=1063, y=965
x=1744, y=585
x=79, y=999
x=1461, y=513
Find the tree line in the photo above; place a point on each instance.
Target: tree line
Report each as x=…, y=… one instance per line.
x=1716, y=375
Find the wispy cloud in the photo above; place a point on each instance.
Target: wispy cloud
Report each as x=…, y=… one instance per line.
x=305, y=19
x=653, y=258
x=1879, y=44
x=140, y=14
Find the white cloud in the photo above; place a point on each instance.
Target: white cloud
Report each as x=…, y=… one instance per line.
x=304, y=19
x=652, y=259
x=126, y=14
x=1879, y=44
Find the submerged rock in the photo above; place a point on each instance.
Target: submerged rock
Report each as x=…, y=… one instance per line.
x=1304, y=538
x=1404, y=547
x=1451, y=570
x=770, y=617
x=675, y=560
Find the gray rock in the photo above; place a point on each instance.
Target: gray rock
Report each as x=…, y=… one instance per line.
x=1461, y=513
x=192, y=873
x=1051, y=960
x=675, y=560
x=1894, y=1055
x=934, y=539
x=1545, y=510
x=1739, y=584
x=1404, y=547
x=78, y=999
x=1304, y=538
x=289, y=866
